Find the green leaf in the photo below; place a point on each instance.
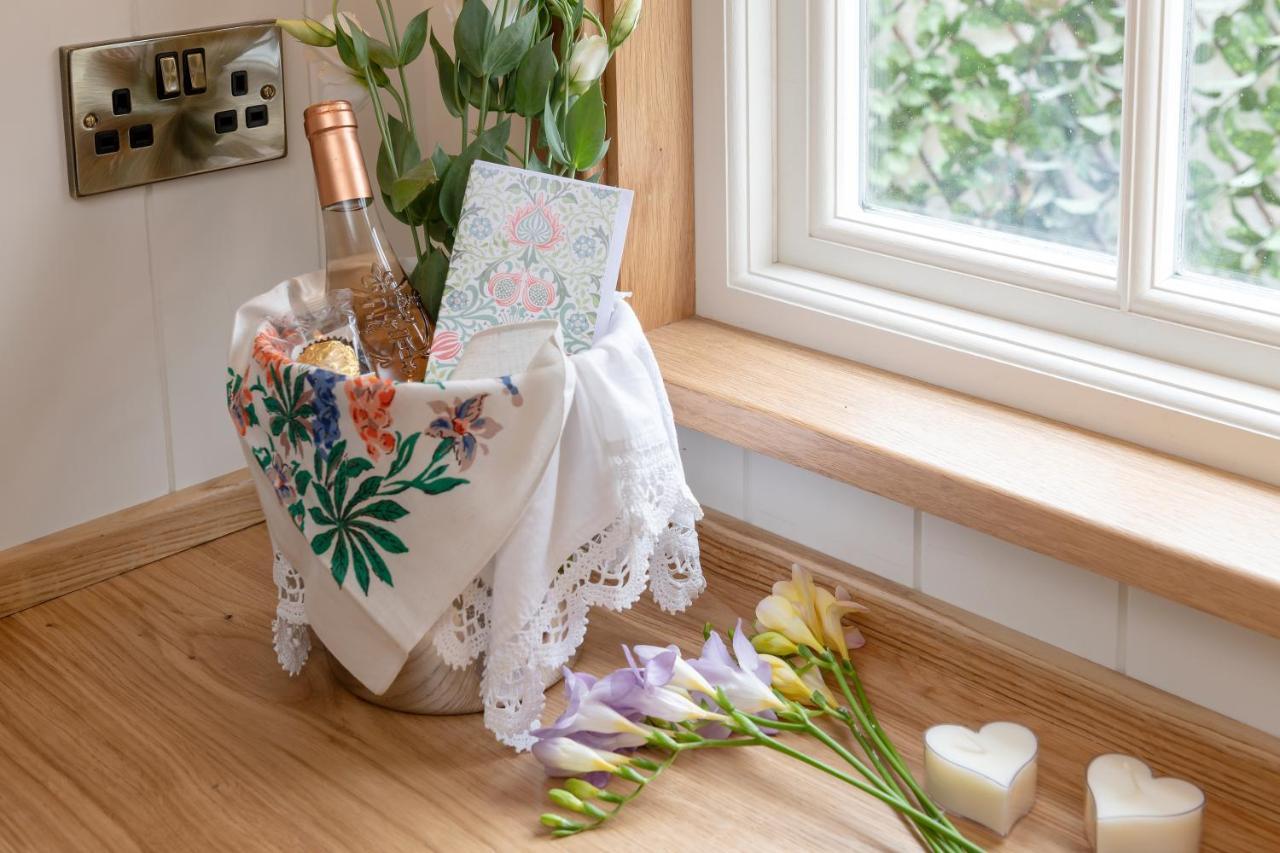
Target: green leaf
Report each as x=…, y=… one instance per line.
x=404, y=452
x=445, y=445
x=551, y=133
x=368, y=488
x=301, y=481
x=360, y=567
x=533, y=78
x=415, y=36
x=380, y=54
x=428, y=280
x=383, y=511
x=376, y=563
x=470, y=33
x=386, y=540
x=492, y=142
x=359, y=46
x=442, y=485
x=321, y=543
x=407, y=154
x=446, y=74
x=318, y=516
x=504, y=52
x=411, y=184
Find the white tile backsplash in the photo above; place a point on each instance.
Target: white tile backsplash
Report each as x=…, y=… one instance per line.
x=1205, y=659
x=829, y=516
x=714, y=471
x=1069, y=607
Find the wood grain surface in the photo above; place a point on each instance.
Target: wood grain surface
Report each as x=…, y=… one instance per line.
x=649, y=89
x=1183, y=531
x=61, y=562
x=147, y=713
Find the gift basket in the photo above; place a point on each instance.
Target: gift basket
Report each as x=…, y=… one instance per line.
x=445, y=539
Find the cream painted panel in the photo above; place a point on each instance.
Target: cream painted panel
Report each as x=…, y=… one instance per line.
x=81, y=421
x=832, y=517
x=713, y=470
x=1072, y=608
x=216, y=241
x=1205, y=659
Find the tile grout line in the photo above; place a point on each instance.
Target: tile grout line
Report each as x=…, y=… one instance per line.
x=917, y=551
x=1122, y=628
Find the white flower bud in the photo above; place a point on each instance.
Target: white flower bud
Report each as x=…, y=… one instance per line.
x=590, y=56
x=624, y=22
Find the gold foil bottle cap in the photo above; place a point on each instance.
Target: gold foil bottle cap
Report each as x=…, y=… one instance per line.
x=335, y=152
x=333, y=354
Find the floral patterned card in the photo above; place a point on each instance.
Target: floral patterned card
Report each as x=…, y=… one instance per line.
x=530, y=246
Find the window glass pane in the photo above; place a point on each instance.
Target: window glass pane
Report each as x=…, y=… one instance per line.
x=997, y=113
x=1231, y=205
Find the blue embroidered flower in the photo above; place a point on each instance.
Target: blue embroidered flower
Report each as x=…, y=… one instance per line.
x=509, y=388
x=584, y=246
x=325, y=422
x=479, y=227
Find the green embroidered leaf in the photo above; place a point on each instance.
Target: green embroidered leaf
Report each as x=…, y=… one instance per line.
x=298, y=513
x=263, y=457
x=321, y=543
x=376, y=563
x=404, y=453
x=353, y=467
x=442, y=485
x=368, y=488
x=326, y=503
x=361, y=568
x=251, y=414
x=445, y=445
x=383, y=511
x=318, y=516
x=273, y=405
x=301, y=480
x=436, y=472
x=386, y=540
x=397, y=487
x=338, y=565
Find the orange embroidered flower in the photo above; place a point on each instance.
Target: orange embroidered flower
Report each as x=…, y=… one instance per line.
x=369, y=397
x=267, y=352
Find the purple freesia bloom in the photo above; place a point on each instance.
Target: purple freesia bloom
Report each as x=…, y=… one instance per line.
x=743, y=677
x=646, y=690
x=591, y=721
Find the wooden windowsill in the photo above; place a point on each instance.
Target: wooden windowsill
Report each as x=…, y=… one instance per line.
x=1183, y=531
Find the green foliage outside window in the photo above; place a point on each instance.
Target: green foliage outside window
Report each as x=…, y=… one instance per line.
x=1006, y=114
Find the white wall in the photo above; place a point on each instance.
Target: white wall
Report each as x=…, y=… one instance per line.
x=1176, y=648
x=116, y=310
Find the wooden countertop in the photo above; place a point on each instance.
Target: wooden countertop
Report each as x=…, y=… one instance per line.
x=148, y=712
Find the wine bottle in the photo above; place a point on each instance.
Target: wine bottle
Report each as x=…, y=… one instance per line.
x=394, y=328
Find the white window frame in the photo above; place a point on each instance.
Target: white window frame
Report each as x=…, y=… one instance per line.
x=1102, y=343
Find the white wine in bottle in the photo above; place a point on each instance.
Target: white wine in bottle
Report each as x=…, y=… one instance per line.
x=394, y=328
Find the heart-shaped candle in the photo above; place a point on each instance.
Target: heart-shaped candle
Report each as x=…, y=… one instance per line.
x=1127, y=810
x=988, y=775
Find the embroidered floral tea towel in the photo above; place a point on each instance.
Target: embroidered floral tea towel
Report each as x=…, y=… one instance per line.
x=530, y=246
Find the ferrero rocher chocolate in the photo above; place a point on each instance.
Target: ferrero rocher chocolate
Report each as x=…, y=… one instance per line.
x=331, y=354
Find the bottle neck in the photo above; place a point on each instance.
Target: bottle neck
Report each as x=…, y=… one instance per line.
x=354, y=239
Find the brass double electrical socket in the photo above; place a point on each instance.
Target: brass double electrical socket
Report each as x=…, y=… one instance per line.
x=166, y=106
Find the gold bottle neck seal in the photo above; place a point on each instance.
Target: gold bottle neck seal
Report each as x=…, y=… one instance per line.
x=335, y=152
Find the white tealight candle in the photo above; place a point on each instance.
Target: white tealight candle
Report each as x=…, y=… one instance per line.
x=988, y=775
x=1128, y=811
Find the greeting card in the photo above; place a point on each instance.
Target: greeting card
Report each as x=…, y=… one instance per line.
x=530, y=246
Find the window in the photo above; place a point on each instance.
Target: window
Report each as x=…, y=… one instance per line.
x=1068, y=206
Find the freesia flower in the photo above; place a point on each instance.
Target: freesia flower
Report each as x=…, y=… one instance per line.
x=586, y=714
x=681, y=674
x=563, y=756
x=586, y=64
x=820, y=613
x=743, y=677
x=645, y=691
x=773, y=643
x=795, y=686
x=780, y=613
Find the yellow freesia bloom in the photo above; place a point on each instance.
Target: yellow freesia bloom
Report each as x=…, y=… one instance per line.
x=779, y=613
x=794, y=686
x=820, y=611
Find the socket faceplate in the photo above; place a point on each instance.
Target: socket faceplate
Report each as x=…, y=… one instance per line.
x=185, y=140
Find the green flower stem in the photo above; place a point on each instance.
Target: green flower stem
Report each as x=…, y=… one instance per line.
x=860, y=706
x=888, y=799
x=385, y=129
